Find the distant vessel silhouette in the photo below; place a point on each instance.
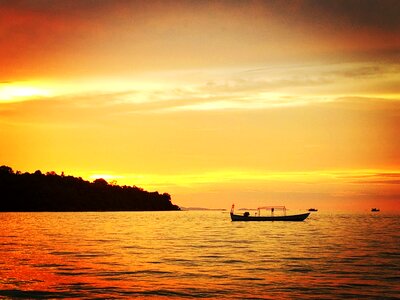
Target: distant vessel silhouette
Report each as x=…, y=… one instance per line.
x=312, y=209
x=375, y=209
x=246, y=216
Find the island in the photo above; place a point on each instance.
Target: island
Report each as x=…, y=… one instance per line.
x=37, y=192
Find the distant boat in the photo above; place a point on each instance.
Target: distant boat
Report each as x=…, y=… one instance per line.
x=312, y=209
x=375, y=209
x=246, y=216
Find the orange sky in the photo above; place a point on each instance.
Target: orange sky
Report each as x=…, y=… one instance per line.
x=256, y=102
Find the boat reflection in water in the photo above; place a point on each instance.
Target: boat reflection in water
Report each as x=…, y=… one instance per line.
x=246, y=216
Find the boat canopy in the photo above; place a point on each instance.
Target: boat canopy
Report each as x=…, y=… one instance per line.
x=272, y=207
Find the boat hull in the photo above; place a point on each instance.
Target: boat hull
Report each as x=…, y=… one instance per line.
x=293, y=218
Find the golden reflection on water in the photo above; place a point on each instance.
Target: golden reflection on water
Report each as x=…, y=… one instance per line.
x=197, y=255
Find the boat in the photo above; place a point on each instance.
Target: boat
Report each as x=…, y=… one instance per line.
x=312, y=209
x=246, y=216
x=375, y=209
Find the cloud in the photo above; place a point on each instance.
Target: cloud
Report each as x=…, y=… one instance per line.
x=345, y=14
x=378, y=178
x=365, y=85
x=380, y=182
x=67, y=38
x=361, y=86
x=371, y=13
x=78, y=109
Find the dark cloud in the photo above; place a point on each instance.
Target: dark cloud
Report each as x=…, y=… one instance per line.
x=342, y=14
x=381, y=14
x=90, y=37
x=56, y=6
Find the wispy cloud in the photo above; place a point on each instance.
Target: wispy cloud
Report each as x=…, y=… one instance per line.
x=344, y=85
x=375, y=178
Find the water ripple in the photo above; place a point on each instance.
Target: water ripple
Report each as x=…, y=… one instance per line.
x=184, y=255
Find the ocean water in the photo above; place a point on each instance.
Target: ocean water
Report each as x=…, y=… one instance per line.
x=185, y=255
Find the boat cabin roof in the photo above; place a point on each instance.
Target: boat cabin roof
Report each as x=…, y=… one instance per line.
x=272, y=207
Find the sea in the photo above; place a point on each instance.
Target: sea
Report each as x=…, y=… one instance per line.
x=198, y=255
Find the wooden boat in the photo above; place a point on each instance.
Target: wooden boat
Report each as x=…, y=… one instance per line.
x=300, y=217
x=246, y=216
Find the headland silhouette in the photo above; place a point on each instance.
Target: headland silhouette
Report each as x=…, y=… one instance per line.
x=31, y=192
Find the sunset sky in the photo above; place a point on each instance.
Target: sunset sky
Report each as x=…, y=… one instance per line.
x=292, y=103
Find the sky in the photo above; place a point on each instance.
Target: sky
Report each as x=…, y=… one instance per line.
x=256, y=103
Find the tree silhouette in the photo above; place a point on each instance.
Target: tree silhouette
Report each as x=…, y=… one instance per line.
x=52, y=192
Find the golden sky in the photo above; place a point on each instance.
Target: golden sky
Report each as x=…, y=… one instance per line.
x=290, y=103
